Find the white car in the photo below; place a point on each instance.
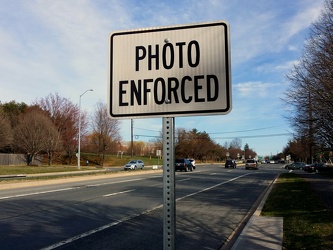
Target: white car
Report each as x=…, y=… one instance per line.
x=134, y=164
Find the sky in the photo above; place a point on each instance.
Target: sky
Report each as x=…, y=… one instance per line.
x=62, y=46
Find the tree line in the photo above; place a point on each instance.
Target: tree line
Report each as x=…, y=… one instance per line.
x=311, y=93
x=50, y=126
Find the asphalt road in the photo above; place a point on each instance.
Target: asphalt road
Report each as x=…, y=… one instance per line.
x=126, y=212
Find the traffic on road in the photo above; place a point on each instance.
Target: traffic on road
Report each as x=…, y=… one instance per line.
x=123, y=211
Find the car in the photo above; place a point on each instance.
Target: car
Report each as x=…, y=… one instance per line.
x=192, y=162
x=251, y=164
x=324, y=168
x=230, y=163
x=310, y=168
x=134, y=164
x=295, y=165
x=183, y=164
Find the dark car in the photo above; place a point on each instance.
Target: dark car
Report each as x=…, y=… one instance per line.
x=183, y=164
x=251, y=164
x=296, y=165
x=310, y=168
x=324, y=169
x=230, y=163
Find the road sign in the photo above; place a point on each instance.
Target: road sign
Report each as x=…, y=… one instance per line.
x=170, y=71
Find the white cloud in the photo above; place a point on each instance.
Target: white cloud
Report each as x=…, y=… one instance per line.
x=302, y=20
x=255, y=89
x=286, y=66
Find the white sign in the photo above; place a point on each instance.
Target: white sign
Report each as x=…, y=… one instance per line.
x=170, y=71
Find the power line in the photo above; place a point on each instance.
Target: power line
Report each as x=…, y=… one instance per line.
x=215, y=133
x=253, y=136
x=247, y=130
x=226, y=138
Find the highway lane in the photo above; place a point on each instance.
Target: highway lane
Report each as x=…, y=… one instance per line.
x=126, y=212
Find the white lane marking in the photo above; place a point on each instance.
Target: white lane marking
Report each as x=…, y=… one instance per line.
x=123, y=192
x=38, y=193
x=206, y=189
x=66, y=189
x=114, y=182
x=184, y=180
x=80, y=236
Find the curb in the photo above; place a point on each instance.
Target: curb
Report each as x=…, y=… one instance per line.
x=254, y=212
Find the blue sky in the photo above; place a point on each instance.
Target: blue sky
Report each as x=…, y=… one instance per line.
x=49, y=46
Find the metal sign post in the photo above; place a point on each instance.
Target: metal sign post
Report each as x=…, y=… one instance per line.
x=169, y=208
x=181, y=70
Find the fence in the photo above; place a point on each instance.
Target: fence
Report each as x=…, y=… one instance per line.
x=16, y=159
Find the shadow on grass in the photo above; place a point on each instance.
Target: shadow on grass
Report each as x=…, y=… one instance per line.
x=308, y=224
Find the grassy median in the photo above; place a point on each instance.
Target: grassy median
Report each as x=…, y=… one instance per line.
x=307, y=222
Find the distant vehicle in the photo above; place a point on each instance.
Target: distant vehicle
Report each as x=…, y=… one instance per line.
x=192, y=162
x=230, y=163
x=251, y=164
x=134, y=164
x=183, y=164
x=272, y=162
x=295, y=165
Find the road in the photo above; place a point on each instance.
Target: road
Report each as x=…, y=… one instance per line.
x=126, y=212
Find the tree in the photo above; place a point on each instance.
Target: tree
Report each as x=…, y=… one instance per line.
x=311, y=91
x=249, y=152
x=52, y=143
x=6, y=134
x=138, y=148
x=194, y=144
x=14, y=110
x=106, y=132
x=33, y=133
x=236, y=143
x=65, y=116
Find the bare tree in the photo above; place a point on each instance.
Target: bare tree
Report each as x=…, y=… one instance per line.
x=52, y=143
x=106, y=132
x=236, y=143
x=65, y=116
x=32, y=133
x=311, y=93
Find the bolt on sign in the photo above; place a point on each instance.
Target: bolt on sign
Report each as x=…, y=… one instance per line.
x=170, y=71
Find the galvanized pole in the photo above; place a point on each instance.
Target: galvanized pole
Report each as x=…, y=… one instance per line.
x=169, y=203
x=132, y=150
x=79, y=146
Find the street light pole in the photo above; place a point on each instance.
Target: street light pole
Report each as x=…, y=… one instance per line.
x=79, y=147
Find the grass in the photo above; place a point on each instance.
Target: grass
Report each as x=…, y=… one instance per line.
x=307, y=222
x=111, y=161
x=15, y=170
